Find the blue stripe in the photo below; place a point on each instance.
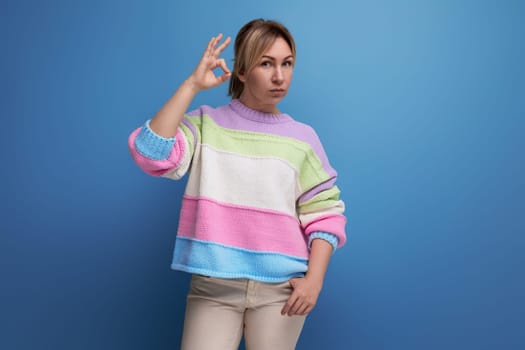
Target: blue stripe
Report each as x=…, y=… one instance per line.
x=329, y=237
x=152, y=145
x=216, y=260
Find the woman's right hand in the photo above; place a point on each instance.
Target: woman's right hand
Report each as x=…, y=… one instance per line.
x=203, y=76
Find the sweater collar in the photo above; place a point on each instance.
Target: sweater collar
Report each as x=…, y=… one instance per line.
x=257, y=116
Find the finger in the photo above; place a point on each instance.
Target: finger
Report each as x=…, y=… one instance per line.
x=216, y=41
x=291, y=300
x=309, y=309
x=305, y=308
x=295, y=308
x=224, y=77
x=295, y=305
x=286, y=308
x=222, y=63
x=209, y=47
x=222, y=46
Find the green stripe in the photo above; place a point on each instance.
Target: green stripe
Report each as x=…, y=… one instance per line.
x=189, y=136
x=299, y=155
x=323, y=200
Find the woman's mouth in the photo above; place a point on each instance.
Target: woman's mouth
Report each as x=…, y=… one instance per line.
x=278, y=92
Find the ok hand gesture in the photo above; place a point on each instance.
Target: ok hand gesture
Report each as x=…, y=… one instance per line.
x=203, y=76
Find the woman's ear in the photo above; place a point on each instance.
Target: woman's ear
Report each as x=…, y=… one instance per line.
x=241, y=76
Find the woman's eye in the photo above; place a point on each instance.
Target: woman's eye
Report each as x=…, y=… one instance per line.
x=288, y=64
x=266, y=63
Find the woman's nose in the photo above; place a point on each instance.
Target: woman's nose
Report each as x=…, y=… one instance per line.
x=278, y=76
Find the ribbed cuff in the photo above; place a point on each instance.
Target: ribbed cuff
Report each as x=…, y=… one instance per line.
x=330, y=238
x=153, y=146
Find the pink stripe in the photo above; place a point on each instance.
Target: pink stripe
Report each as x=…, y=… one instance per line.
x=243, y=227
x=244, y=207
x=331, y=223
x=157, y=167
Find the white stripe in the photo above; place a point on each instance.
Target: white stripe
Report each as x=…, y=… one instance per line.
x=262, y=182
x=308, y=217
x=179, y=172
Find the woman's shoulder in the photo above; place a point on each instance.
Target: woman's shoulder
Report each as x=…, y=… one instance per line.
x=303, y=132
x=200, y=111
x=209, y=110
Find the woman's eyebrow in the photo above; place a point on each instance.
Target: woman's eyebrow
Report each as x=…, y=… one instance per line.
x=273, y=58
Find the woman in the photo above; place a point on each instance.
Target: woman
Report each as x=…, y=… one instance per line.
x=261, y=215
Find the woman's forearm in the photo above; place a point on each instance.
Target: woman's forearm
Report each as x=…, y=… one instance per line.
x=306, y=289
x=167, y=120
x=320, y=254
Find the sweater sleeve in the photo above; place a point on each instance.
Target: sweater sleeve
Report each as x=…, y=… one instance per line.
x=161, y=156
x=320, y=210
x=330, y=238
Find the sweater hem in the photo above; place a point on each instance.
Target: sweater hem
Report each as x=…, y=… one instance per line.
x=230, y=275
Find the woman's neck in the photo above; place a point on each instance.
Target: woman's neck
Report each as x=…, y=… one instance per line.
x=261, y=107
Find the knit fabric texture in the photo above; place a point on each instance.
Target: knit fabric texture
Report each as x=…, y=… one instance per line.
x=260, y=189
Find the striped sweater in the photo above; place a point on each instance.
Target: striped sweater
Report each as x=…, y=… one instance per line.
x=260, y=189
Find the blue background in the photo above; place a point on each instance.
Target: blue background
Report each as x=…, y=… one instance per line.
x=420, y=106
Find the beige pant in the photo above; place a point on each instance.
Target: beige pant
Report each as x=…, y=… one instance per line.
x=219, y=311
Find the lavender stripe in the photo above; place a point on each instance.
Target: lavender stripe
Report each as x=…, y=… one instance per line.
x=317, y=189
x=192, y=129
x=228, y=117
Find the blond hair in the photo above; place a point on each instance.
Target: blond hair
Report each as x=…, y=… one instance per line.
x=253, y=39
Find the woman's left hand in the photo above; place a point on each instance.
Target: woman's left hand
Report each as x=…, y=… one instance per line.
x=303, y=298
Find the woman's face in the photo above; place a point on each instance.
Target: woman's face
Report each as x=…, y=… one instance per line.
x=268, y=81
